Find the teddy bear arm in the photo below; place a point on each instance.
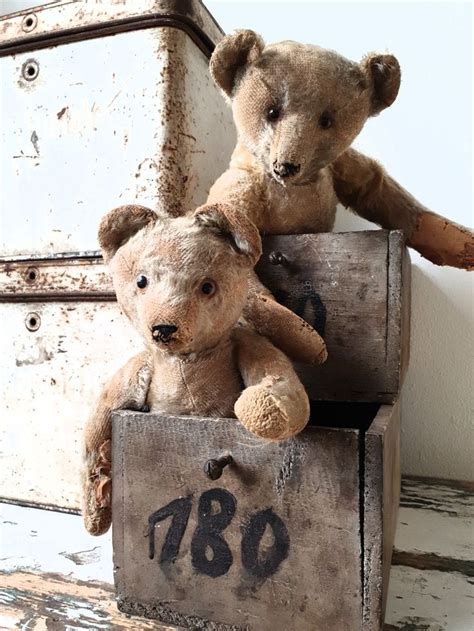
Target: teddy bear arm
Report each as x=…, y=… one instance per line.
x=242, y=189
x=127, y=389
x=293, y=335
x=363, y=185
x=274, y=404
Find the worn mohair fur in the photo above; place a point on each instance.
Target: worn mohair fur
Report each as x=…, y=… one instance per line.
x=193, y=273
x=297, y=109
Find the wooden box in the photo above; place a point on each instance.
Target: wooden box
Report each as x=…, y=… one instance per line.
x=296, y=535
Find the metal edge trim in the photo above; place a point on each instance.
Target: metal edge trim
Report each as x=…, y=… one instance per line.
x=93, y=31
x=58, y=296
x=88, y=255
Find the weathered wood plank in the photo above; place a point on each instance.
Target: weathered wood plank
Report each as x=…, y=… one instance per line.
x=250, y=582
x=381, y=498
x=429, y=508
x=40, y=602
x=398, y=307
x=431, y=583
x=422, y=600
x=54, y=574
x=419, y=531
x=449, y=497
x=354, y=289
x=35, y=540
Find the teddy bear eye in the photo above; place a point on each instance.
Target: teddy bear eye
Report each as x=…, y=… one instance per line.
x=208, y=288
x=325, y=121
x=273, y=113
x=142, y=281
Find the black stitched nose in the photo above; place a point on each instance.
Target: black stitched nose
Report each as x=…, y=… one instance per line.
x=285, y=169
x=163, y=332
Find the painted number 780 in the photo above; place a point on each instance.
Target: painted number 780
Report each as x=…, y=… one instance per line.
x=208, y=535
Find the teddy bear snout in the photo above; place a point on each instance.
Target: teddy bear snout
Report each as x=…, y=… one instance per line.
x=285, y=169
x=163, y=332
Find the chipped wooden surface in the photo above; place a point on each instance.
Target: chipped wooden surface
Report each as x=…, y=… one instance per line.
x=46, y=559
x=55, y=576
x=381, y=500
x=317, y=486
x=158, y=461
x=432, y=578
x=354, y=288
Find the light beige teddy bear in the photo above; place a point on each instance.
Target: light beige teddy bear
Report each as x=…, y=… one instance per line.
x=297, y=109
x=183, y=283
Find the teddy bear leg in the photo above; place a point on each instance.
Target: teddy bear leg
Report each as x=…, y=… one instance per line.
x=274, y=404
x=293, y=335
x=97, y=489
x=363, y=185
x=127, y=389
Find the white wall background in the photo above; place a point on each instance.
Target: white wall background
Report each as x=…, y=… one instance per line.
x=425, y=142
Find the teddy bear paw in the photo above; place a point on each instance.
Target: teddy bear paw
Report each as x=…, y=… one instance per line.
x=263, y=414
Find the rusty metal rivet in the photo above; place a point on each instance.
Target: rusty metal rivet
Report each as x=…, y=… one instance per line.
x=29, y=23
x=31, y=275
x=214, y=467
x=30, y=69
x=277, y=258
x=32, y=321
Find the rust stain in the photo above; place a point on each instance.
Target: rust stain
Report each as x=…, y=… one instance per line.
x=34, y=141
x=117, y=95
x=181, y=133
x=61, y=113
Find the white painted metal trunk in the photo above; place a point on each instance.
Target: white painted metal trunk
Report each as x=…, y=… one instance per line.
x=102, y=104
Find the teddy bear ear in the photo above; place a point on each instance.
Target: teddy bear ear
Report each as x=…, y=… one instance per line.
x=120, y=224
x=383, y=73
x=232, y=53
x=242, y=234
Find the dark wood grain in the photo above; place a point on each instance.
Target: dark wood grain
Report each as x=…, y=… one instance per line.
x=380, y=500
x=354, y=288
x=311, y=483
x=334, y=488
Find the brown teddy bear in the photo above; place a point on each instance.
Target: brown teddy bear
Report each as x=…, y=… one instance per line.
x=297, y=109
x=183, y=283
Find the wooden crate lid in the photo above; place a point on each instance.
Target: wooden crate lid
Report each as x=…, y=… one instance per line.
x=354, y=288
x=65, y=21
